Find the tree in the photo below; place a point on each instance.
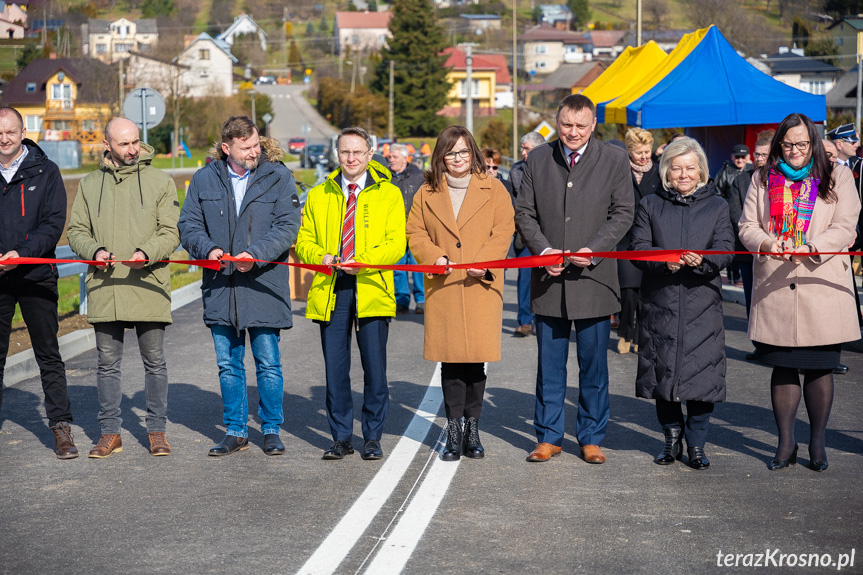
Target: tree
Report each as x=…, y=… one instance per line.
x=657, y=9
x=800, y=32
x=823, y=46
x=323, y=26
x=498, y=135
x=420, y=79
x=373, y=6
x=27, y=55
x=581, y=9
x=153, y=8
x=294, y=59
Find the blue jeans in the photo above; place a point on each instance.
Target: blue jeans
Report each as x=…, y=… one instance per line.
x=230, y=351
x=591, y=340
x=525, y=316
x=400, y=279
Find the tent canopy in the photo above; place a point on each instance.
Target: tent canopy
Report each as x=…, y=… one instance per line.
x=704, y=82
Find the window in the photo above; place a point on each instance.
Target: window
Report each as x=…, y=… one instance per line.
x=541, y=49
x=203, y=54
x=61, y=125
x=33, y=123
x=355, y=39
x=540, y=64
x=205, y=74
x=101, y=48
x=31, y=87
x=462, y=88
x=124, y=47
x=61, y=91
x=840, y=40
x=382, y=39
x=89, y=125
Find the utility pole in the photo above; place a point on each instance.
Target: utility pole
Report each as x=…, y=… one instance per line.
x=468, y=64
x=514, y=86
x=391, y=122
x=859, y=89
x=638, y=23
x=285, y=35
x=122, y=82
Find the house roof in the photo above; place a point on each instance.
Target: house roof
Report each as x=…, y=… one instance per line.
x=40, y=70
x=855, y=22
x=607, y=38
x=497, y=62
x=480, y=16
x=363, y=19
x=236, y=24
x=220, y=44
x=569, y=75
x=144, y=26
x=549, y=34
x=164, y=61
x=554, y=12
x=844, y=91
x=791, y=63
x=52, y=25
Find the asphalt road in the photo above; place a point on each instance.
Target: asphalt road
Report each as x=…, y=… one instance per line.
x=293, y=116
x=249, y=513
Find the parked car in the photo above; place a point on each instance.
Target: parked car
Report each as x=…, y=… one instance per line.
x=314, y=154
x=296, y=145
x=266, y=80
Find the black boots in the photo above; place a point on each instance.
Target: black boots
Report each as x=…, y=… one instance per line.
x=673, y=449
x=452, y=449
x=697, y=459
x=472, y=446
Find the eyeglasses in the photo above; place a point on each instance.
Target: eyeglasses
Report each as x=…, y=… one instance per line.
x=758, y=156
x=463, y=154
x=493, y=168
x=802, y=146
x=830, y=155
x=349, y=153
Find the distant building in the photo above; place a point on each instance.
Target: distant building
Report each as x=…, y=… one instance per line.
x=209, y=66
x=448, y=3
x=791, y=67
x=489, y=76
x=361, y=31
x=667, y=40
x=842, y=98
x=64, y=99
x=545, y=49
x=13, y=19
x=110, y=41
x=556, y=15
x=243, y=24
x=607, y=43
x=567, y=79
x=164, y=76
x=847, y=35
x=479, y=23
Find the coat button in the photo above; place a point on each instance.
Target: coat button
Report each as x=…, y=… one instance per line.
x=458, y=244
x=793, y=286
x=568, y=184
x=567, y=219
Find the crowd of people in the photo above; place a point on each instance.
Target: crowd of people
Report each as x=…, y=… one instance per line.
x=796, y=208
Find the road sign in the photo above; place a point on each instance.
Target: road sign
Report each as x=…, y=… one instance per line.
x=267, y=118
x=145, y=107
x=545, y=130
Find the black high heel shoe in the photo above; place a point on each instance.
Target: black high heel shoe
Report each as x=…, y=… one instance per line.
x=783, y=463
x=673, y=449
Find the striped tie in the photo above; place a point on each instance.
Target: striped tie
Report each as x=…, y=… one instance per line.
x=572, y=158
x=348, y=225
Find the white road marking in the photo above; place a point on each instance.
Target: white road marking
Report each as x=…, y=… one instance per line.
x=330, y=554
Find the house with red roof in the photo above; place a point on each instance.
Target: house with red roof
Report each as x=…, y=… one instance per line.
x=489, y=76
x=361, y=31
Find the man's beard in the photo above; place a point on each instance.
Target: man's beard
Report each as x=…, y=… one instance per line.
x=123, y=161
x=245, y=164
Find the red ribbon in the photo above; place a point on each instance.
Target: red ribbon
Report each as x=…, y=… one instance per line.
x=514, y=263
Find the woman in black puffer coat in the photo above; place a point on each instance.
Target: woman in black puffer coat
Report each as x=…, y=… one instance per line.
x=682, y=353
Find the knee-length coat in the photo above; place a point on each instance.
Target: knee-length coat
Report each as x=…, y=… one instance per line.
x=463, y=314
x=682, y=355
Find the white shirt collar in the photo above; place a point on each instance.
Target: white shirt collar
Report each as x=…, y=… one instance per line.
x=361, y=183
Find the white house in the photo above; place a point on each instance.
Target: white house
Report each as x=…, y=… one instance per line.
x=147, y=71
x=210, y=67
x=111, y=41
x=545, y=49
x=361, y=31
x=13, y=20
x=791, y=67
x=243, y=24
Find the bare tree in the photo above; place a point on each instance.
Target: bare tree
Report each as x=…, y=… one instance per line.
x=745, y=31
x=657, y=9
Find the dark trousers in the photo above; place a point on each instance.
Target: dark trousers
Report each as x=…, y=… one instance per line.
x=670, y=414
x=524, y=315
x=463, y=389
x=630, y=311
x=591, y=340
x=372, y=335
x=745, y=269
x=38, y=303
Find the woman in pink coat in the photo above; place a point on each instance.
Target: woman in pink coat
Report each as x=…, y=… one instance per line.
x=803, y=305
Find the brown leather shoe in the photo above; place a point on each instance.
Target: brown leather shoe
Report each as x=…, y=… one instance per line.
x=592, y=454
x=158, y=444
x=522, y=330
x=543, y=452
x=64, y=445
x=108, y=445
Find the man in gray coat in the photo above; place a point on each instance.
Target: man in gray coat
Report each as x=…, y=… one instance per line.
x=576, y=197
x=244, y=203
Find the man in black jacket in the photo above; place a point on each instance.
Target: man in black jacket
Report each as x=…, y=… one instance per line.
x=32, y=215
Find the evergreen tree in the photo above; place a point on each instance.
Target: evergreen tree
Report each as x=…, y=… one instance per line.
x=420, y=83
x=27, y=55
x=294, y=58
x=581, y=10
x=153, y=8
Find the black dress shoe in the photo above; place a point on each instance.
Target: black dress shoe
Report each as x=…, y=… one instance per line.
x=783, y=463
x=841, y=369
x=338, y=450
x=372, y=450
x=697, y=459
x=273, y=445
x=818, y=465
x=229, y=445
x=673, y=450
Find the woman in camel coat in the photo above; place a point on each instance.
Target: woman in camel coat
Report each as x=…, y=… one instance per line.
x=461, y=215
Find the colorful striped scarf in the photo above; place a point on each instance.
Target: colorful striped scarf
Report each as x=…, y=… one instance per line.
x=791, y=205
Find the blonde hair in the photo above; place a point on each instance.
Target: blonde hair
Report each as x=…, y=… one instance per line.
x=682, y=147
x=638, y=137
